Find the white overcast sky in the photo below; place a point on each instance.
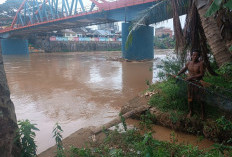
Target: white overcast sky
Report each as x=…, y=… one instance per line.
x=167, y=23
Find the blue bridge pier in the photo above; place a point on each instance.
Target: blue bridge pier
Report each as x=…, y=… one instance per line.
x=14, y=46
x=142, y=44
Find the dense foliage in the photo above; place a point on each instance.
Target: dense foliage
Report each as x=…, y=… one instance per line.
x=132, y=144
x=172, y=92
x=164, y=42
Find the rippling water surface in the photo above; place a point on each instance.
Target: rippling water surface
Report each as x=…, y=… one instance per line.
x=75, y=89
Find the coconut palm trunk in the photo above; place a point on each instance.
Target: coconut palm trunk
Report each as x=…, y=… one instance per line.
x=217, y=44
x=8, y=123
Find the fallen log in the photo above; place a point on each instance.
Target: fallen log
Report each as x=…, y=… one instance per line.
x=118, y=119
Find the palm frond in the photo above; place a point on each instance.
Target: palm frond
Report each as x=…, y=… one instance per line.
x=214, y=7
x=228, y=5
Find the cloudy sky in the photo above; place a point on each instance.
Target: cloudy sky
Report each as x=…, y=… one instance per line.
x=2, y=1
x=167, y=23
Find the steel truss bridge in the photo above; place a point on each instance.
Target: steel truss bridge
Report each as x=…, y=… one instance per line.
x=36, y=16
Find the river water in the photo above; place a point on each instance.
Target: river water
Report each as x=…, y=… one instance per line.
x=75, y=89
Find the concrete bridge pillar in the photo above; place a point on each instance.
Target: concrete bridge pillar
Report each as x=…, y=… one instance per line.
x=142, y=43
x=14, y=46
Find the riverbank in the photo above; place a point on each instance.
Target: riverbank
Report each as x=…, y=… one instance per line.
x=85, y=137
x=166, y=126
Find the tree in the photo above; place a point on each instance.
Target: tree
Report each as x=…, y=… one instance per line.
x=8, y=122
x=189, y=38
x=212, y=33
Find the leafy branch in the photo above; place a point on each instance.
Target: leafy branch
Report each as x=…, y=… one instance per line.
x=26, y=135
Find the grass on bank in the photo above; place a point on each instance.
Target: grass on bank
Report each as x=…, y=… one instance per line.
x=132, y=144
x=171, y=99
x=171, y=94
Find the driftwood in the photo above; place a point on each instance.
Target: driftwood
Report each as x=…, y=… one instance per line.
x=118, y=119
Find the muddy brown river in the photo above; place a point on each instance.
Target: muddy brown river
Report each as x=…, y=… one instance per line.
x=74, y=89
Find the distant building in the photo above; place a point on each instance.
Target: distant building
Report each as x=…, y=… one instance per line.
x=81, y=32
x=69, y=33
x=103, y=33
x=112, y=27
x=159, y=32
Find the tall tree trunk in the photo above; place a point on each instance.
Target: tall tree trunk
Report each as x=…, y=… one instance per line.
x=204, y=47
x=212, y=33
x=8, y=123
x=180, y=40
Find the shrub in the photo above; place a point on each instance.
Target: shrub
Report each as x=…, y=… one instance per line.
x=170, y=96
x=26, y=135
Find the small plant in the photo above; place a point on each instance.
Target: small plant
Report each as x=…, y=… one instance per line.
x=231, y=48
x=147, y=120
x=81, y=152
x=26, y=135
x=224, y=124
x=175, y=116
x=148, y=142
x=222, y=149
x=148, y=83
x=58, y=137
x=173, y=138
x=123, y=120
x=116, y=153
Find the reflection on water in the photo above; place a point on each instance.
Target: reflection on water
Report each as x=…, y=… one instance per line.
x=74, y=89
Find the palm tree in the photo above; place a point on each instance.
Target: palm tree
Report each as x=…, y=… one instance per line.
x=217, y=44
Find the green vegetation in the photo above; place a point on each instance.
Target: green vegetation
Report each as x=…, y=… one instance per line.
x=132, y=144
x=146, y=120
x=170, y=96
x=58, y=137
x=25, y=137
x=172, y=92
x=164, y=42
x=170, y=99
x=123, y=120
x=217, y=4
x=221, y=84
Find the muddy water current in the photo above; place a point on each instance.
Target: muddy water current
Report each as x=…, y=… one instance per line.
x=75, y=89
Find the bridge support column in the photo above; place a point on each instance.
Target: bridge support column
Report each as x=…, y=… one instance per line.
x=14, y=46
x=142, y=43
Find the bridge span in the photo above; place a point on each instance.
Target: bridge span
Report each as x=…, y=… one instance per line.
x=36, y=16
